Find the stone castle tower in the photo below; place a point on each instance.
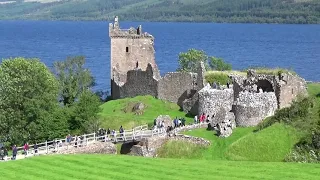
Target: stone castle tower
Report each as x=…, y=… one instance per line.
x=130, y=49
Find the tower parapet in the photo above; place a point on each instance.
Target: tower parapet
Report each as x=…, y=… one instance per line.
x=133, y=33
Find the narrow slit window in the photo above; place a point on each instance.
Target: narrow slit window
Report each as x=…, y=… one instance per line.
x=127, y=49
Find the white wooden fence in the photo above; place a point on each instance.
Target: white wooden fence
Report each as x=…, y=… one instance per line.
x=57, y=145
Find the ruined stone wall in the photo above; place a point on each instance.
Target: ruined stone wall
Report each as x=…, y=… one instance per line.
x=138, y=83
x=288, y=88
x=251, y=108
x=177, y=86
x=215, y=103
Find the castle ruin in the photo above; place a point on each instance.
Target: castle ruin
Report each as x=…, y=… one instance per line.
x=134, y=71
x=247, y=102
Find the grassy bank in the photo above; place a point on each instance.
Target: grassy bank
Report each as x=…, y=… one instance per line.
x=270, y=144
x=119, y=112
x=95, y=167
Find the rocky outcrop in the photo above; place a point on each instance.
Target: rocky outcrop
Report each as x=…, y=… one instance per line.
x=164, y=118
x=93, y=148
x=251, y=108
x=148, y=146
x=225, y=128
x=191, y=106
x=191, y=139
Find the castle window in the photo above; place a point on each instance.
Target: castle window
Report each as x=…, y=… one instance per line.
x=127, y=49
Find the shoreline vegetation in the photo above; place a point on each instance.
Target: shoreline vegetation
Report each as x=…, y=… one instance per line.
x=217, y=11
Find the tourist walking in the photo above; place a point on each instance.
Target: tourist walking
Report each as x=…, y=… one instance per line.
x=183, y=121
x=202, y=118
x=26, y=149
x=196, y=119
x=69, y=137
x=154, y=122
x=14, y=152
x=1, y=153
x=35, y=148
x=121, y=131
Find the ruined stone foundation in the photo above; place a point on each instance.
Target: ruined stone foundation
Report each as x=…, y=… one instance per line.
x=251, y=108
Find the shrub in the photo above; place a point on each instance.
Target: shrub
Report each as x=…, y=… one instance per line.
x=298, y=109
x=219, y=65
x=271, y=71
x=218, y=77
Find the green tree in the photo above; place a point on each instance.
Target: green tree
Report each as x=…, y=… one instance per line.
x=80, y=104
x=218, y=64
x=189, y=61
x=73, y=78
x=85, y=113
x=28, y=101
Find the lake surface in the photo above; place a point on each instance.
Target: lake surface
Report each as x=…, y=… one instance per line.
x=242, y=45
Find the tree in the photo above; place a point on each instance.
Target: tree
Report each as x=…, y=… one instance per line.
x=73, y=78
x=188, y=61
x=218, y=64
x=86, y=109
x=28, y=100
x=81, y=105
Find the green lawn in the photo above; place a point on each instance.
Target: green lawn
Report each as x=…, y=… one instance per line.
x=119, y=112
x=95, y=167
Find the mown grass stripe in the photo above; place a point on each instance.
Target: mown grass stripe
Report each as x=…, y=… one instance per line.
x=135, y=168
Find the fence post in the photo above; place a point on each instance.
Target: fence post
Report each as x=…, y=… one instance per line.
x=94, y=136
x=133, y=134
x=124, y=135
x=47, y=147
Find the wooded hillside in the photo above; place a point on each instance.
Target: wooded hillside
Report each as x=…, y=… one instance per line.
x=240, y=11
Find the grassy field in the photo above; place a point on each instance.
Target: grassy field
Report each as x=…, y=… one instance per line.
x=95, y=167
x=119, y=112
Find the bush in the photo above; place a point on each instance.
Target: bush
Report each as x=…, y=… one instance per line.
x=219, y=65
x=299, y=109
x=218, y=77
x=270, y=71
x=303, y=154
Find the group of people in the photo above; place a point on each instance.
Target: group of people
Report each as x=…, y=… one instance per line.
x=201, y=118
x=26, y=151
x=179, y=122
x=109, y=133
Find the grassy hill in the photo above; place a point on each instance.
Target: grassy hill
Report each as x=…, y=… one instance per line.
x=244, y=11
x=95, y=167
x=271, y=144
x=119, y=112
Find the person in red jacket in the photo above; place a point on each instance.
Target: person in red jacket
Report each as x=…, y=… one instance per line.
x=26, y=148
x=202, y=118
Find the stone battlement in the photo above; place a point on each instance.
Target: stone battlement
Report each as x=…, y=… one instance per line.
x=132, y=33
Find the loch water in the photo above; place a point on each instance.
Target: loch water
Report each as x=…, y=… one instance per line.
x=243, y=45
